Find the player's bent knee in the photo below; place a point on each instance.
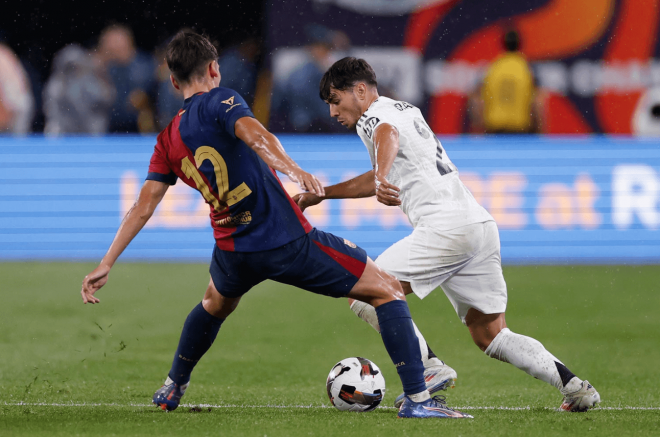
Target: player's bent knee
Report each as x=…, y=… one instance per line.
x=484, y=335
x=484, y=327
x=220, y=308
x=392, y=288
x=216, y=304
x=376, y=287
x=407, y=288
x=482, y=342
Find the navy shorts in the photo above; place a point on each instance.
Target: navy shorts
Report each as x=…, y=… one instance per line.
x=318, y=262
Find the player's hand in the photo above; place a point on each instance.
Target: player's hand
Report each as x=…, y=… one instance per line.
x=307, y=181
x=93, y=282
x=386, y=193
x=305, y=200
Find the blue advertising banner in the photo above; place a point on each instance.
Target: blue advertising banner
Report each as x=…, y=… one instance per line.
x=556, y=200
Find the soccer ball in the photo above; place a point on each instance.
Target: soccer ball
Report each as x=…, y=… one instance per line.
x=355, y=384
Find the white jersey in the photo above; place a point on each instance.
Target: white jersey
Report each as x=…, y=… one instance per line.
x=431, y=192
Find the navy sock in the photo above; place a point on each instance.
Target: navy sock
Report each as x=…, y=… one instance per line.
x=431, y=353
x=398, y=334
x=197, y=336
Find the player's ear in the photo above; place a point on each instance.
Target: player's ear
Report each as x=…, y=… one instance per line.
x=175, y=84
x=361, y=90
x=214, y=72
x=214, y=69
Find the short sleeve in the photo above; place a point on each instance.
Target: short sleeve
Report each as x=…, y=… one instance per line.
x=230, y=106
x=159, y=167
x=372, y=122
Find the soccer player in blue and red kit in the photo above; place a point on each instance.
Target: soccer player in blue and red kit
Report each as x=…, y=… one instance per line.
x=215, y=146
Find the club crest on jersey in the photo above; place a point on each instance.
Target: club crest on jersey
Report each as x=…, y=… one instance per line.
x=230, y=102
x=369, y=125
x=419, y=127
x=349, y=244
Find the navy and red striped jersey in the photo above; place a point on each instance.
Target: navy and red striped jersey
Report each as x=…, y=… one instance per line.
x=250, y=211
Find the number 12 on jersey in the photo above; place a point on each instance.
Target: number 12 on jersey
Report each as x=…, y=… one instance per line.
x=227, y=197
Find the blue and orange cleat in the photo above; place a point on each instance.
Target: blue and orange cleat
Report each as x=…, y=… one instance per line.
x=167, y=397
x=437, y=378
x=436, y=407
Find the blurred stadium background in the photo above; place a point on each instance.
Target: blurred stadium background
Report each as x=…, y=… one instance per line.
x=81, y=105
x=84, y=91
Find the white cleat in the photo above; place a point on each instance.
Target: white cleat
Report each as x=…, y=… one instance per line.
x=440, y=377
x=580, y=400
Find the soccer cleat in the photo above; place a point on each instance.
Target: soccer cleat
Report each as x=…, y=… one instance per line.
x=437, y=378
x=581, y=400
x=168, y=396
x=436, y=407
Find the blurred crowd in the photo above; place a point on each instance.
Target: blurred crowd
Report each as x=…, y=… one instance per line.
x=115, y=87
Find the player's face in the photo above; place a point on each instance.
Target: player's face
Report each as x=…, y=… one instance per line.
x=344, y=106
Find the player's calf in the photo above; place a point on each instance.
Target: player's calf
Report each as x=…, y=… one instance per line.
x=530, y=356
x=384, y=292
x=198, y=334
x=368, y=313
x=437, y=375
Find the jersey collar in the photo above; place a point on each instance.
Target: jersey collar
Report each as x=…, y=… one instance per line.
x=187, y=101
x=372, y=104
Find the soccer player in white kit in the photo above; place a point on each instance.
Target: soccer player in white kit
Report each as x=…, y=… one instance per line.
x=454, y=244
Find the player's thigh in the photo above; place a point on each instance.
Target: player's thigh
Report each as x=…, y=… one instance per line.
x=396, y=259
x=232, y=274
x=427, y=257
x=480, y=283
x=376, y=286
x=322, y=263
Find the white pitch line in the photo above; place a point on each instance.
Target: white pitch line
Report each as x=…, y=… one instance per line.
x=46, y=404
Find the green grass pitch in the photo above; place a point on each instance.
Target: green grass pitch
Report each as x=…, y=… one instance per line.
x=70, y=369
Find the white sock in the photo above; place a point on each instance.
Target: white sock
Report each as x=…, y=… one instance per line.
x=574, y=385
x=368, y=313
x=530, y=356
x=420, y=397
x=183, y=387
x=423, y=347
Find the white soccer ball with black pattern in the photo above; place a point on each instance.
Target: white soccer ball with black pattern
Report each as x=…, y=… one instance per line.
x=355, y=384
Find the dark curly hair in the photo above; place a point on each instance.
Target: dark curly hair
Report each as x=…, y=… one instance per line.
x=344, y=74
x=188, y=54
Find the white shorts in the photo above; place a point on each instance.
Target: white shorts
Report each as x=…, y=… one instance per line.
x=465, y=262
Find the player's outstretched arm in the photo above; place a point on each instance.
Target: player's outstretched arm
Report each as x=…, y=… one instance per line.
x=360, y=186
x=150, y=196
x=374, y=182
x=269, y=148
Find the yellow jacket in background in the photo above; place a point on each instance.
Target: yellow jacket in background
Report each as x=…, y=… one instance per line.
x=507, y=93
